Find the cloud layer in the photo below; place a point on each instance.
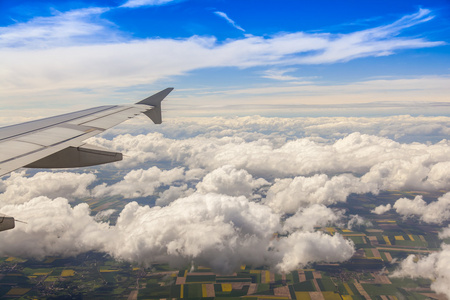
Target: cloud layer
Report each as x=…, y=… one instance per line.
x=232, y=191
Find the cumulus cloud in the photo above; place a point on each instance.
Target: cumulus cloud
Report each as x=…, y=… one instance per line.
x=53, y=228
x=316, y=215
x=173, y=193
x=434, y=212
x=402, y=129
x=435, y=266
x=302, y=248
x=104, y=215
x=422, y=170
x=219, y=231
x=381, y=209
x=139, y=183
x=211, y=229
x=219, y=223
x=289, y=195
x=230, y=181
x=385, y=163
x=445, y=233
x=19, y=188
x=357, y=221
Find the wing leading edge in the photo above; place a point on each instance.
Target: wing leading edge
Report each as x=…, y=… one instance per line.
x=58, y=142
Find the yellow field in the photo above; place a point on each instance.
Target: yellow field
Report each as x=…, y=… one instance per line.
x=302, y=295
x=267, y=277
x=204, y=293
x=226, y=287
x=349, y=290
x=17, y=291
x=399, y=238
x=68, y=273
x=108, y=271
x=51, y=279
x=386, y=239
x=411, y=237
x=331, y=230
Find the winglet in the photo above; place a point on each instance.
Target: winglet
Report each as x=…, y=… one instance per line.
x=155, y=101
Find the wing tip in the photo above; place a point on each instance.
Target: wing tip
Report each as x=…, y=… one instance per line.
x=155, y=100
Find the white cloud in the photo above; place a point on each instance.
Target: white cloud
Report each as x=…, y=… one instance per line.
x=312, y=216
x=445, y=233
x=302, y=248
x=19, y=188
x=75, y=27
x=229, y=20
x=280, y=74
x=230, y=181
x=53, y=228
x=386, y=164
x=435, y=266
x=105, y=58
x=104, y=215
x=290, y=195
x=140, y=183
x=434, y=212
x=139, y=3
x=219, y=231
x=357, y=222
x=173, y=193
x=381, y=209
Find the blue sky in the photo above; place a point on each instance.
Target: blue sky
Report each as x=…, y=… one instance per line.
x=224, y=57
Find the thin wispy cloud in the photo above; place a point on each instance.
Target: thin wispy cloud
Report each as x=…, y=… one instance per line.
x=81, y=49
x=139, y=3
x=281, y=75
x=229, y=20
x=75, y=27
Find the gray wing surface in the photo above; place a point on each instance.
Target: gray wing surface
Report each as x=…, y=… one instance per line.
x=58, y=142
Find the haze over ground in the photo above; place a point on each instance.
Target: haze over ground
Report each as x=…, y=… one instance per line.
x=373, y=75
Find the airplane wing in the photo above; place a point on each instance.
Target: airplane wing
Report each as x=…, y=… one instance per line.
x=58, y=142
